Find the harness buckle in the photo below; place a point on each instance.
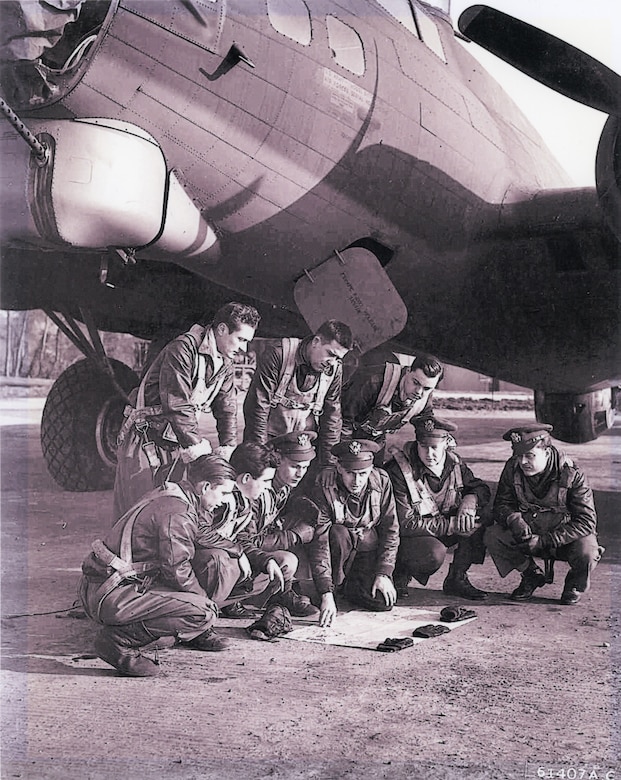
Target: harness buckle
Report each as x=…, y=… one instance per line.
x=141, y=426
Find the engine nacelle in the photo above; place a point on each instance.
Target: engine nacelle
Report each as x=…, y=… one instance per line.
x=608, y=173
x=104, y=184
x=576, y=418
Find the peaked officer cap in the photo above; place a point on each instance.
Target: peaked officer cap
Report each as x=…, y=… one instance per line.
x=524, y=437
x=356, y=453
x=428, y=428
x=296, y=446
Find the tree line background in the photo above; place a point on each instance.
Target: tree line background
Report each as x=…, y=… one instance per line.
x=32, y=346
x=33, y=351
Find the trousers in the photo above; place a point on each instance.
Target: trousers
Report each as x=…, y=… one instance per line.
x=160, y=611
x=582, y=556
x=354, y=570
x=422, y=556
x=219, y=573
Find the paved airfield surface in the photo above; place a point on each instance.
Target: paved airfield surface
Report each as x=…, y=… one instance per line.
x=524, y=691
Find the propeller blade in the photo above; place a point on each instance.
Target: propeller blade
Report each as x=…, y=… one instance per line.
x=543, y=57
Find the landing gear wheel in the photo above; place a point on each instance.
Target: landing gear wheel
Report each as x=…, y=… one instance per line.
x=81, y=419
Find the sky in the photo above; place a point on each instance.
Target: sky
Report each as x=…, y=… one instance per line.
x=570, y=129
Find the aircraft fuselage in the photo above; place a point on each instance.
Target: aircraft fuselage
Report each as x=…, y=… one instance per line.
x=364, y=132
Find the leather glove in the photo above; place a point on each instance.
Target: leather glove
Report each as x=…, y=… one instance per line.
x=455, y=614
x=430, y=630
x=519, y=528
x=532, y=546
x=276, y=620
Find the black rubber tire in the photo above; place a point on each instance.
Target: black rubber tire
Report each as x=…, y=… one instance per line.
x=81, y=419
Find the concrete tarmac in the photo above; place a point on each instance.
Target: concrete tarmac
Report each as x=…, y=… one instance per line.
x=525, y=691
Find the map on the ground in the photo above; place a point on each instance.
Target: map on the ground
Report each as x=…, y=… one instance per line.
x=368, y=629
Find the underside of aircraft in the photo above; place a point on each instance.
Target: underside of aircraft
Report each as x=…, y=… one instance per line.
x=317, y=159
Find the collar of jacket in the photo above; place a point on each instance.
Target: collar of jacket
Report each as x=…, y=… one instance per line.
x=301, y=356
x=190, y=495
x=206, y=341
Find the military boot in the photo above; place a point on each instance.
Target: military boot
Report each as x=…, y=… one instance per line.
x=458, y=584
x=298, y=606
x=401, y=582
x=208, y=642
x=236, y=610
x=532, y=578
x=117, y=646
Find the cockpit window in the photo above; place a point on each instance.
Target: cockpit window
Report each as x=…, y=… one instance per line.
x=291, y=18
x=401, y=10
x=346, y=45
x=420, y=24
x=441, y=5
x=429, y=33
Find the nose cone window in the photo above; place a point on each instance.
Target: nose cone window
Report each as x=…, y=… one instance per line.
x=345, y=45
x=290, y=18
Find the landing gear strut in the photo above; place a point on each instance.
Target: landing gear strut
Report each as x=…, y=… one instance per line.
x=83, y=413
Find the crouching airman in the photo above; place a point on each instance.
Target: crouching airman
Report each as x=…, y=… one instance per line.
x=356, y=542
x=440, y=504
x=543, y=508
x=138, y=581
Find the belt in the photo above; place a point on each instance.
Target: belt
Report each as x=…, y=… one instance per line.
x=133, y=416
x=289, y=403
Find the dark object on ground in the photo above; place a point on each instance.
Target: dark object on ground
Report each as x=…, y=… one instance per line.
x=393, y=644
x=430, y=630
x=455, y=614
x=276, y=620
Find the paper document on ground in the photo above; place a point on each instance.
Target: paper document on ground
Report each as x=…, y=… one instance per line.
x=367, y=629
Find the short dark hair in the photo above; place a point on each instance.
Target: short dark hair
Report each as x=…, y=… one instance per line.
x=210, y=468
x=252, y=458
x=429, y=365
x=235, y=314
x=333, y=330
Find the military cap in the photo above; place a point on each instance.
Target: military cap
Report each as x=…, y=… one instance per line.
x=433, y=428
x=524, y=437
x=356, y=453
x=296, y=446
